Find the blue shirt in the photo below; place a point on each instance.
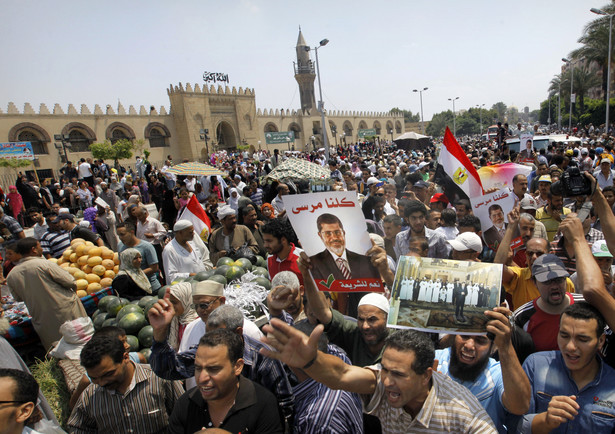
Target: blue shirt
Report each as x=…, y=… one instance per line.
x=550, y=377
x=148, y=253
x=488, y=387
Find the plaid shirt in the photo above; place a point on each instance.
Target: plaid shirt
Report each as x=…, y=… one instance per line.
x=558, y=249
x=270, y=373
x=11, y=224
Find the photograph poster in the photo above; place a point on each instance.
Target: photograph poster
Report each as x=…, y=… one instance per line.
x=526, y=147
x=333, y=233
x=443, y=295
x=492, y=210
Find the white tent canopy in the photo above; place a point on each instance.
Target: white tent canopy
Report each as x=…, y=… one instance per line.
x=411, y=136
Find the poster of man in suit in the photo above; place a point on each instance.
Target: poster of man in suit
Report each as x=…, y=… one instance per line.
x=492, y=210
x=333, y=233
x=452, y=298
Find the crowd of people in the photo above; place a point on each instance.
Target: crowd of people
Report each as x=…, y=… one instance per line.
x=327, y=362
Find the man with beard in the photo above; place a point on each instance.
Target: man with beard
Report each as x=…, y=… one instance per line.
x=541, y=317
x=415, y=213
x=501, y=387
x=278, y=236
x=362, y=340
x=551, y=214
x=340, y=262
x=230, y=236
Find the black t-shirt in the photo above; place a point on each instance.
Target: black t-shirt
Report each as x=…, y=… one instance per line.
x=86, y=234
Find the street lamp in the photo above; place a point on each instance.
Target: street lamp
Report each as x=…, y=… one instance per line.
x=569, y=62
x=480, y=114
x=421, y=97
x=204, y=136
x=608, y=73
x=559, y=104
x=321, y=104
x=65, y=140
x=334, y=133
x=313, y=142
x=454, y=124
x=391, y=133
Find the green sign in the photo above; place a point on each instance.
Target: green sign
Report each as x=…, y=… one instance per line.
x=275, y=138
x=368, y=132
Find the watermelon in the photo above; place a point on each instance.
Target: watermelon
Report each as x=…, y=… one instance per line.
x=234, y=273
x=243, y=263
x=146, y=352
x=260, y=271
x=95, y=314
x=260, y=261
x=133, y=342
x=125, y=301
x=162, y=291
x=263, y=281
x=146, y=336
x=104, y=302
x=134, y=302
x=218, y=278
x=99, y=320
x=115, y=306
x=109, y=322
x=225, y=260
x=203, y=275
x=128, y=309
x=147, y=308
x=222, y=269
x=132, y=322
x=146, y=300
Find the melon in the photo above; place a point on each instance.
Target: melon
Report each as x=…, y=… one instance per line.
x=99, y=270
x=146, y=300
x=60, y=260
x=108, y=264
x=93, y=287
x=54, y=260
x=133, y=342
x=99, y=320
x=116, y=258
x=89, y=243
x=243, y=263
x=146, y=336
x=260, y=261
x=234, y=272
x=66, y=254
x=222, y=269
x=72, y=271
x=218, y=278
x=225, y=260
x=72, y=265
x=107, y=254
x=82, y=284
x=147, y=352
x=81, y=293
x=106, y=282
x=109, y=274
x=203, y=275
x=66, y=266
x=116, y=269
x=83, y=260
x=92, y=278
x=79, y=249
x=93, y=261
x=132, y=322
x=104, y=302
x=260, y=271
x=128, y=309
x=263, y=281
x=114, y=306
x=110, y=322
x=73, y=257
x=86, y=269
x=77, y=241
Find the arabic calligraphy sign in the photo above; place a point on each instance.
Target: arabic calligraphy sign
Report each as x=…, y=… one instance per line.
x=366, y=132
x=277, y=137
x=19, y=150
x=331, y=227
x=215, y=77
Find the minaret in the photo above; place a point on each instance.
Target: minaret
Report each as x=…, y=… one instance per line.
x=304, y=74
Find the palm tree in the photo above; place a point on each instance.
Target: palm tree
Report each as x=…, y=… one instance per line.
x=583, y=80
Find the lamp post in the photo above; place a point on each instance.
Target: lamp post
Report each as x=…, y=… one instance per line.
x=313, y=142
x=559, y=105
x=549, y=117
x=454, y=123
x=334, y=133
x=569, y=62
x=65, y=143
x=608, y=73
x=391, y=133
x=321, y=104
x=480, y=115
x=204, y=136
x=421, y=98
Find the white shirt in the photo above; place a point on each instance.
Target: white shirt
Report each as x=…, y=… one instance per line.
x=84, y=170
x=151, y=226
x=196, y=329
x=39, y=229
x=178, y=262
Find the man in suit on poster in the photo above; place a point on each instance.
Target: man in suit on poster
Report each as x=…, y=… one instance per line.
x=338, y=261
x=495, y=233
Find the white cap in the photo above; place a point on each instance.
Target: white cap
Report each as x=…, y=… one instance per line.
x=375, y=299
x=180, y=225
x=465, y=241
x=372, y=180
x=423, y=164
x=225, y=211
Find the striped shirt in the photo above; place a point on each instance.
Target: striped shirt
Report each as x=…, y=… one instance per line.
x=449, y=407
x=144, y=408
x=55, y=243
x=320, y=410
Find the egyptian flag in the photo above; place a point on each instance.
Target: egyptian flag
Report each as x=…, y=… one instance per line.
x=455, y=173
x=194, y=213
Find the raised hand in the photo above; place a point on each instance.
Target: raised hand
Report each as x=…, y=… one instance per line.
x=290, y=345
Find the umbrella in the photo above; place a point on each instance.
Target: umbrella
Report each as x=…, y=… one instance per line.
x=196, y=169
x=298, y=168
x=412, y=140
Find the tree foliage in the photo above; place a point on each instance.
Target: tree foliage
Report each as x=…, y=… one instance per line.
x=119, y=150
x=467, y=122
x=14, y=163
x=408, y=116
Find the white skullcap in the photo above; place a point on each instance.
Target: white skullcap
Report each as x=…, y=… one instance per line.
x=181, y=225
x=208, y=287
x=374, y=299
x=225, y=211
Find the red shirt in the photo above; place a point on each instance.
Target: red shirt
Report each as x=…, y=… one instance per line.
x=275, y=264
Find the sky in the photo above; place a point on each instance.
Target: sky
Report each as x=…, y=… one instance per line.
x=482, y=51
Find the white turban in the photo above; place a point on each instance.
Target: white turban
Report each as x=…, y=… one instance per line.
x=225, y=211
x=208, y=287
x=374, y=299
x=182, y=224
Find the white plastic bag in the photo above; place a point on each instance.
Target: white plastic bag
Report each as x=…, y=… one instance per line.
x=75, y=334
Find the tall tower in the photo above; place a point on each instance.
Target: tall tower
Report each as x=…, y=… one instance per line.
x=304, y=74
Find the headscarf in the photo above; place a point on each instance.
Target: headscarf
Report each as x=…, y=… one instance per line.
x=15, y=201
x=183, y=292
x=233, y=201
x=267, y=205
x=136, y=274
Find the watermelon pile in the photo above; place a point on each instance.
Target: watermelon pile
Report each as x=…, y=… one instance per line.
x=132, y=315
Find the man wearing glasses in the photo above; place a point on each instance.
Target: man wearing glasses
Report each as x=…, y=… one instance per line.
x=18, y=396
x=541, y=316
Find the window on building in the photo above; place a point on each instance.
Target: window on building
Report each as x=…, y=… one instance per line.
x=118, y=134
x=38, y=146
x=78, y=141
x=157, y=139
